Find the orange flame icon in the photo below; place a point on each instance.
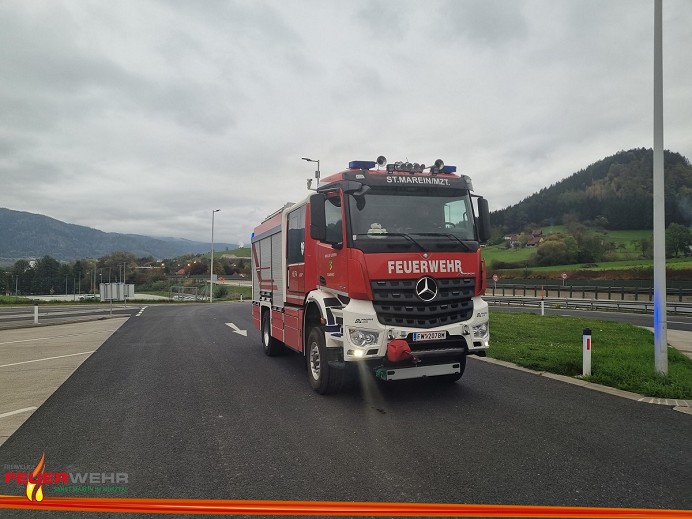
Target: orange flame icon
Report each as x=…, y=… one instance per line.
x=34, y=487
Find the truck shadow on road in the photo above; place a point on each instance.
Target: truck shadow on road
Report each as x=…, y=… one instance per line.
x=362, y=385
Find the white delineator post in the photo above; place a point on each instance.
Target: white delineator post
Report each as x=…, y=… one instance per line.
x=586, y=352
x=542, y=301
x=35, y=314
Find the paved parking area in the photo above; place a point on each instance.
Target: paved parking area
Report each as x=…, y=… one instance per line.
x=34, y=362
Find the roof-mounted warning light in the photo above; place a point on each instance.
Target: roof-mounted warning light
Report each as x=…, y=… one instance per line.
x=469, y=183
x=362, y=164
x=437, y=167
x=405, y=167
x=415, y=167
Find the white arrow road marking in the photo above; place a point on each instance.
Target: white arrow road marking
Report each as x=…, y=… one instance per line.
x=236, y=329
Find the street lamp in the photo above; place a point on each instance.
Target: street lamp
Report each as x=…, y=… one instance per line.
x=211, y=266
x=317, y=173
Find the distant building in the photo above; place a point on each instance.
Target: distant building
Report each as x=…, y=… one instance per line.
x=514, y=240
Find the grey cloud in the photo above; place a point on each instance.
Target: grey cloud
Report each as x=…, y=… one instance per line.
x=140, y=116
x=485, y=24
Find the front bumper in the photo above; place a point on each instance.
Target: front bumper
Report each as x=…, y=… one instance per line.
x=468, y=337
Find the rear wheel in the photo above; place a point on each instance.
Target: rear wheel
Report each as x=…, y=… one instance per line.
x=271, y=346
x=322, y=377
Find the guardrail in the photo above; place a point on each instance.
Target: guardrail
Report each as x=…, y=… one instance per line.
x=615, y=305
x=621, y=293
x=23, y=316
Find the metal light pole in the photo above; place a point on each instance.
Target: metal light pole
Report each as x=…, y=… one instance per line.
x=660, y=325
x=317, y=173
x=211, y=266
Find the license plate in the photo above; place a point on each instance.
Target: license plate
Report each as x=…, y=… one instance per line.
x=429, y=336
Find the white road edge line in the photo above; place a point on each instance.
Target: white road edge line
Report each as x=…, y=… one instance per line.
x=47, y=358
x=140, y=311
x=18, y=411
x=56, y=337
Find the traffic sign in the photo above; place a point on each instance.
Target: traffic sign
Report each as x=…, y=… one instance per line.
x=495, y=277
x=564, y=275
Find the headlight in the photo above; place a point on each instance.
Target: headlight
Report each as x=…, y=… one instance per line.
x=481, y=330
x=363, y=337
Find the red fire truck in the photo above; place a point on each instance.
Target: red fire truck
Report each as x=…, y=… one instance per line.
x=379, y=270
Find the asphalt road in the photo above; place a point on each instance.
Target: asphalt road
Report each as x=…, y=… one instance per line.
x=188, y=408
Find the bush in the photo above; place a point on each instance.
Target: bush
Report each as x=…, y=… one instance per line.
x=220, y=291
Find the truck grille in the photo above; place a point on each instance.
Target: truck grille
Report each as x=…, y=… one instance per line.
x=397, y=304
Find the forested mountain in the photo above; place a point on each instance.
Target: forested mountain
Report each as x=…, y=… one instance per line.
x=27, y=235
x=615, y=193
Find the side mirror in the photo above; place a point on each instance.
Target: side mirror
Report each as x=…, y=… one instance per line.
x=318, y=223
x=483, y=220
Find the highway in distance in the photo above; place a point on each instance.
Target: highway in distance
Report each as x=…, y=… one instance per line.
x=188, y=407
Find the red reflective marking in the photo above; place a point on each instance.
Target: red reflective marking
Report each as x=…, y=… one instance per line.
x=328, y=508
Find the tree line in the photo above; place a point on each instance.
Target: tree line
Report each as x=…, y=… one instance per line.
x=50, y=276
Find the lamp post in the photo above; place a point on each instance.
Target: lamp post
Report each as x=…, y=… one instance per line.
x=317, y=173
x=211, y=266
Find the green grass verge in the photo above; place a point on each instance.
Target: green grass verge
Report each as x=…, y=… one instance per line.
x=232, y=293
x=622, y=355
x=12, y=300
x=500, y=253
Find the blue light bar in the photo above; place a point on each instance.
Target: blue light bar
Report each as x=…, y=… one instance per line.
x=362, y=164
x=449, y=169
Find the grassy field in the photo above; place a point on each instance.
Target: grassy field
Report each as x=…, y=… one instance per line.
x=500, y=253
x=240, y=252
x=622, y=355
x=626, y=245
x=627, y=253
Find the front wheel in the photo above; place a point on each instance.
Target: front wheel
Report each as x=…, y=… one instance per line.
x=271, y=346
x=322, y=377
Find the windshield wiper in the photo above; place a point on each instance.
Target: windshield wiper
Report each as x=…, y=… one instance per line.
x=448, y=235
x=408, y=237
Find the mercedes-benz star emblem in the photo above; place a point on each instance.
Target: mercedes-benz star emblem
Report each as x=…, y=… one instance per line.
x=426, y=289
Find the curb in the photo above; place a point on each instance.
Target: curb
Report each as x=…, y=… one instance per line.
x=683, y=406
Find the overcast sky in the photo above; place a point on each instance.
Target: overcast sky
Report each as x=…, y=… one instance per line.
x=143, y=116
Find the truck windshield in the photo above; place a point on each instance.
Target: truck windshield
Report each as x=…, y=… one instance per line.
x=383, y=221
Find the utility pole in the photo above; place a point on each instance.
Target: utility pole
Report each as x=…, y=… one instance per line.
x=660, y=318
x=211, y=265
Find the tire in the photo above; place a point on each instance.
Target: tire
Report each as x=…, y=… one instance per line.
x=323, y=378
x=450, y=379
x=271, y=346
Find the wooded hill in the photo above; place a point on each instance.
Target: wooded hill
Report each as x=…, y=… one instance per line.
x=27, y=235
x=613, y=193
